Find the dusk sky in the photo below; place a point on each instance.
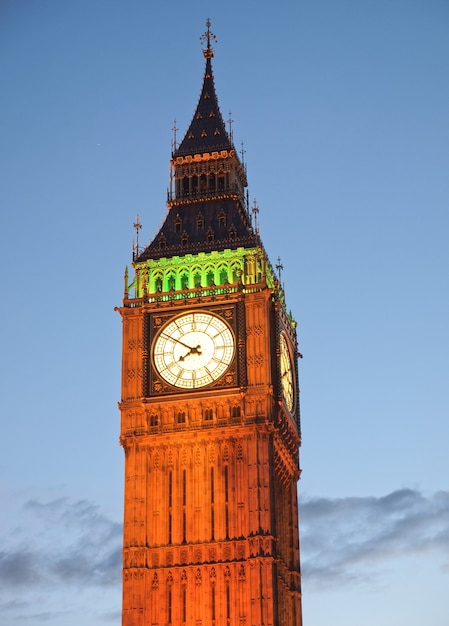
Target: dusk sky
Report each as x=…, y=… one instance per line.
x=343, y=110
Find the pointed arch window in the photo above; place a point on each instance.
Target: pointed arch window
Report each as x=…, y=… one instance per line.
x=158, y=283
x=235, y=272
x=184, y=281
x=197, y=279
x=178, y=223
x=181, y=417
x=171, y=282
x=154, y=420
x=210, y=278
x=208, y=415
x=222, y=218
x=236, y=411
x=223, y=276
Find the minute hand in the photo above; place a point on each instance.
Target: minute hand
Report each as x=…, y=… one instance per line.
x=178, y=341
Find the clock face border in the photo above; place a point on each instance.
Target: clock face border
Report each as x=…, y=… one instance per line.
x=287, y=373
x=155, y=384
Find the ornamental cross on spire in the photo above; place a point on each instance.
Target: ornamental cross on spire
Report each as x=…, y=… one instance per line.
x=206, y=39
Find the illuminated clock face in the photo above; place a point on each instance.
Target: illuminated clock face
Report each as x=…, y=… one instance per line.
x=193, y=350
x=287, y=375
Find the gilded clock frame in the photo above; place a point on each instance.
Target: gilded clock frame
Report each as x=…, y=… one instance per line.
x=155, y=385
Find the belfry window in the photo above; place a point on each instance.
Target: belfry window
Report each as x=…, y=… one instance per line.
x=171, y=282
x=184, y=281
x=223, y=276
x=197, y=279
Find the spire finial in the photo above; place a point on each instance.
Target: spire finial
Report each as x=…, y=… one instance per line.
x=206, y=39
x=279, y=268
x=174, y=142
x=230, y=121
x=137, y=225
x=255, y=211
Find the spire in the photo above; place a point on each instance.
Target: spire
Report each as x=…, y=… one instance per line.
x=207, y=130
x=208, y=210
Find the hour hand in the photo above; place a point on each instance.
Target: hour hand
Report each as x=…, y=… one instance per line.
x=195, y=350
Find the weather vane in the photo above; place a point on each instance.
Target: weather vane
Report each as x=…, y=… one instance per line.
x=206, y=39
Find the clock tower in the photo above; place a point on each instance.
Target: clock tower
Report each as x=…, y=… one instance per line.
x=210, y=404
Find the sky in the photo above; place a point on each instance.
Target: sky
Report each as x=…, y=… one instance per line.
x=342, y=108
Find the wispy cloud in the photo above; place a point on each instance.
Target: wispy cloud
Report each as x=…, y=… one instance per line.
x=345, y=539
x=61, y=550
x=61, y=542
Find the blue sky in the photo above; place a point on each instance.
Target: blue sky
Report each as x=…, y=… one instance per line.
x=343, y=110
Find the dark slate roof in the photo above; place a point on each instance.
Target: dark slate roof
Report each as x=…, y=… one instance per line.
x=207, y=131
x=226, y=225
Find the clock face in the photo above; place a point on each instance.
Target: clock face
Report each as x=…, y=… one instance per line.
x=193, y=350
x=287, y=375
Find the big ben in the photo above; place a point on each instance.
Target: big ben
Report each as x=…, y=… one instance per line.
x=210, y=403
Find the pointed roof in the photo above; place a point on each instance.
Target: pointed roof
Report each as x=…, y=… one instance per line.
x=207, y=131
x=215, y=218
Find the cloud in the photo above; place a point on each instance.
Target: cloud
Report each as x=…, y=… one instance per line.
x=345, y=539
x=63, y=557
x=61, y=542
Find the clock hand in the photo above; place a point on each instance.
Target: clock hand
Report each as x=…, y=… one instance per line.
x=179, y=341
x=196, y=350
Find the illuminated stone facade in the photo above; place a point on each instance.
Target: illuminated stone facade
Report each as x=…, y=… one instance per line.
x=210, y=425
